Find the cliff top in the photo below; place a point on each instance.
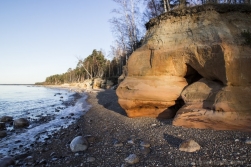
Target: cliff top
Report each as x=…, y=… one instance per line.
x=220, y=8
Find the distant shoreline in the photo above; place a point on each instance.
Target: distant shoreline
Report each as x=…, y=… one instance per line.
x=15, y=84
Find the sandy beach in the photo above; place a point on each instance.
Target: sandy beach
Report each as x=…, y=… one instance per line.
x=112, y=137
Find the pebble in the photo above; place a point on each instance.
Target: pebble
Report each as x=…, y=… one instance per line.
x=236, y=140
x=90, y=139
x=54, y=159
x=130, y=141
x=132, y=159
x=145, y=144
x=90, y=159
x=248, y=141
x=117, y=144
x=189, y=146
x=29, y=157
x=145, y=150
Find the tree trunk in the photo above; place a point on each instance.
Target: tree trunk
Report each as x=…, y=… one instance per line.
x=155, y=9
x=87, y=72
x=168, y=5
x=165, y=10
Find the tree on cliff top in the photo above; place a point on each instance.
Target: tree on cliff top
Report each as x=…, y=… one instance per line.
x=127, y=28
x=126, y=24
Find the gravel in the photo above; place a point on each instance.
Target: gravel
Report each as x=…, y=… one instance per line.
x=106, y=122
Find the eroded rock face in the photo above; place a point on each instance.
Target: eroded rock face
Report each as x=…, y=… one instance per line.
x=150, y=96
x=198, y=57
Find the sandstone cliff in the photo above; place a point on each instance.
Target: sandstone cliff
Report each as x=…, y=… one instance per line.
x=194, y=56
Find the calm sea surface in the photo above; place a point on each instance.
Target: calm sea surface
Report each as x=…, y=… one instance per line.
x=47, y=109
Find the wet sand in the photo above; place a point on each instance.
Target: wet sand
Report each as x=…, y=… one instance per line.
x=113, y=136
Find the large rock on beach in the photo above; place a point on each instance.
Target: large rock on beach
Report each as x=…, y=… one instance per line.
x=3, y=133
x=21, y=123
x=7, y=161
x=6, y=119
x=79, y=143
x=147, y=96
x=189, y=146
x=2, y=125
x=98, y=83
x=196, y=57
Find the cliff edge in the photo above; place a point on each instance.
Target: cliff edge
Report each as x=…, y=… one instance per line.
x=193, y=66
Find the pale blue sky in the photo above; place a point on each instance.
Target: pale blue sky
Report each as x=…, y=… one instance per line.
x=39, y=38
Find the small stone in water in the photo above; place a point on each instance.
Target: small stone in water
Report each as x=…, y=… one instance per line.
x=6, y=161
x=3, y=133
x=6, y=119
x=2, y=125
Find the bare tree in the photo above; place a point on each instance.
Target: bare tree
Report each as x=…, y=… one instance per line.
x=70, y=73
x=153, y=8
x=164, y=2
x=125, y=25
x=168, y=4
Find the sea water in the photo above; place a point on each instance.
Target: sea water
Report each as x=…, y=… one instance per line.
x=47, y=110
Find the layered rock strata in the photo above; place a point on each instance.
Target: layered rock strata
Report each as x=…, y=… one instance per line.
x=198, y=56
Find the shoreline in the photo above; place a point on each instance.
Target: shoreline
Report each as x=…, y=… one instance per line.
x=42, y=123
x=113, y=137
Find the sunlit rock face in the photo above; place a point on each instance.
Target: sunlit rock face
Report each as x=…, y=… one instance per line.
x=196, y=57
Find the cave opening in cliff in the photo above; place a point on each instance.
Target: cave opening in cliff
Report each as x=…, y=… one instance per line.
x=192, y=75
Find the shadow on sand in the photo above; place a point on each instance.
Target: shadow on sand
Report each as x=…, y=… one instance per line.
x=172, y=140
x=109, y=100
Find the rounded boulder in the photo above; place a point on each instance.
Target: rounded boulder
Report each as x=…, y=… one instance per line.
x=21, y=123
x=2, y=125
x=7, y=161
x=6, y=119
x=79, y=143
x=3, y=134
